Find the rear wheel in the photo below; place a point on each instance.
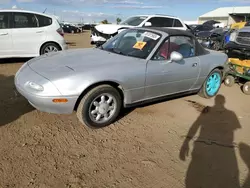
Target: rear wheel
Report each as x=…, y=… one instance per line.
x=99, y=107
x=49, y=47
x=212, y=84
x=229, y=81
x=246, y=88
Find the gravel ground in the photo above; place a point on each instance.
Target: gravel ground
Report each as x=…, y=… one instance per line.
x=187, y=142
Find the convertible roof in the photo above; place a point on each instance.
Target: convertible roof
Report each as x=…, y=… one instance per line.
x=200, y=50
x=172, y=31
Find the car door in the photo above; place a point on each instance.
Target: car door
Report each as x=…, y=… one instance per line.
x=26, y=34
x=5, y=35
x=164, y=77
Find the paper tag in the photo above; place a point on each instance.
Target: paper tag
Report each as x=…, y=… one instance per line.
x=139, y=45
x=151, y=35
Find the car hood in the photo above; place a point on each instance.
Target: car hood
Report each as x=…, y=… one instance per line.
x=110, y=28
x=204, y=34
x=70, y=62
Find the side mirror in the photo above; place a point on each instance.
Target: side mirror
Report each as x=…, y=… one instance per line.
x=148, y=24
x=175, y=56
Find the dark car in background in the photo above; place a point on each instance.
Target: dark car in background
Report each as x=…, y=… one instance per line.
x=202, y=28
x=214, y=39
x=206, y=26
x=239, y=42
x=67, y=28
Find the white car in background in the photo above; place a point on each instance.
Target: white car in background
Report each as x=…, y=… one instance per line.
x=102, y=32
x=29, y=34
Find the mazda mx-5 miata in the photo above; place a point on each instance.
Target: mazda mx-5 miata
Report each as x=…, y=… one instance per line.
x=136, y=66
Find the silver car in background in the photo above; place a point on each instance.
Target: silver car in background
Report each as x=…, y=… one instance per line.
x=134, y=67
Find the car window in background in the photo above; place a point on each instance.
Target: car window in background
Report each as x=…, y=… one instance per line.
x=161, y=22
x=4, y=20
x=25, y=20
x=135, y=43
x=43, y=20
x=186, y=45
x=134, y=21
x=177, y=23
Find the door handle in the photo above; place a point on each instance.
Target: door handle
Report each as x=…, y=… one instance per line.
x=195, y=65
x=39, y=32
x=2, y=34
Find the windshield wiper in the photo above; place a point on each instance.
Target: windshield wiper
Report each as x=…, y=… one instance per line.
x=117, y=51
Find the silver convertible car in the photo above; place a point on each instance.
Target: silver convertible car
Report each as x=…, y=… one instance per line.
x=136, y=66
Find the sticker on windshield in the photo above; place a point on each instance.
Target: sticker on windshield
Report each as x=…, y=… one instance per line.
x=139, y=45
x=151, y=35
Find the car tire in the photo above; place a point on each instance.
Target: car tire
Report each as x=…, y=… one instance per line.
x=94, y=106
x=229, y=81
x=72, y=31
x=212, y=84
x=216, y=46
x=246, y=88
x=49, y=47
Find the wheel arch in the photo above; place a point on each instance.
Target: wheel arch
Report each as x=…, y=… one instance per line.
x=221, y=68
x=47, y=42
x=114, y=84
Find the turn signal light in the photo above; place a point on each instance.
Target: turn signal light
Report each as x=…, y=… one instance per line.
x=60, y=100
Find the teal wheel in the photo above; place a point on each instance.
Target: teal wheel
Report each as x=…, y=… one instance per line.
x=212, y=84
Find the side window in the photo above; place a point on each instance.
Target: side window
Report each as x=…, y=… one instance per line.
x=25, y=20
x=161, y=22
x=182, y=44
x=4, y=20
x=43, y=20
x=177, y=23
x=186, y=45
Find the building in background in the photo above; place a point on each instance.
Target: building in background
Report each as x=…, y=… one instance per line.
x=227, y=15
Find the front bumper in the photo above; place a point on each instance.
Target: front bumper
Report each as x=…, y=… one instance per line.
x=97, y=39
x=43, y=102
x=238, y=48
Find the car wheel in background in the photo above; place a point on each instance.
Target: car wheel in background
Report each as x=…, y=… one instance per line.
x=216, y=46
x=229, y=81
x=49, y=47
x=72, y=31
x=100, y=106
x=246, y=88
x=212, y=84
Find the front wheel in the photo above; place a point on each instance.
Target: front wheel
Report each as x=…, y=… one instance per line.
x=100, y=106
x=212, y=84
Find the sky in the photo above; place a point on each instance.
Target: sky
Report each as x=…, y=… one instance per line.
x=97, y=10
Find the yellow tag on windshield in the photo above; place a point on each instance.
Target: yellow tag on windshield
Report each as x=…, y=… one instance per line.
x=139, y=45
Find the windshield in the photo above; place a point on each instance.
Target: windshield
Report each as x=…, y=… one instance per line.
x=134, y=21
x=133, y=42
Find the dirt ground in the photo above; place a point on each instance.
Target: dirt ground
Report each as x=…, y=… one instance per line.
x=187, y=142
